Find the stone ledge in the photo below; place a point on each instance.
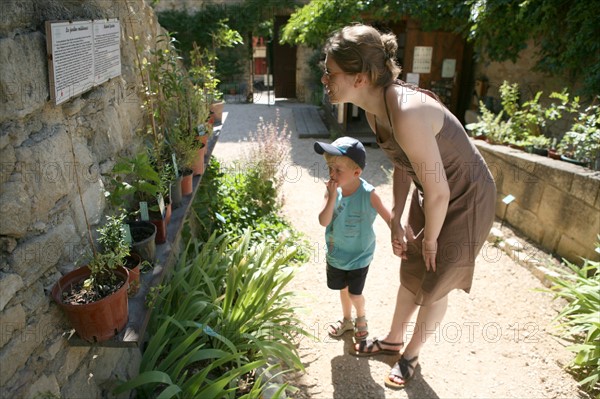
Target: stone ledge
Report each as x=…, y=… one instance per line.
x=166, y=256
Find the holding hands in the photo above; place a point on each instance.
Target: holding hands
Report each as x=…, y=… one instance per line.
x=401, y=238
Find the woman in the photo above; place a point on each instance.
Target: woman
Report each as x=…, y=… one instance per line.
x=452, y=208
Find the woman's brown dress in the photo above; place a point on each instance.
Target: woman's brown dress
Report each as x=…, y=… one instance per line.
x=469, y=219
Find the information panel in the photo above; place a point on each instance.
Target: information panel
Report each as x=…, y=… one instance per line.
x=422, y=59
x=81, y=55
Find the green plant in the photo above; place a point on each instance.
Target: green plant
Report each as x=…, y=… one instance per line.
x=565, y=33
x=269, y=150
x=579, y=320
x=184, y=145
x=490, y=125
x=134, y=180
x=223, y=312
x=104, y=263
x=582, y=140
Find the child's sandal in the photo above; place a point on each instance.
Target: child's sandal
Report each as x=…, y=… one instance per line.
x=361, y=332
x=338, y=328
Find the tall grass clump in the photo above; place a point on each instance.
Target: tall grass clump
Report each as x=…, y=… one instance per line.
x=224, y=313
x=579, y=320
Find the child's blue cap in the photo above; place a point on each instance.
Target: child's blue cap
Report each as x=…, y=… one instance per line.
x=346, y=146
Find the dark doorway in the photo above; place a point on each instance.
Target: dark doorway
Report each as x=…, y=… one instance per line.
x=284, y=64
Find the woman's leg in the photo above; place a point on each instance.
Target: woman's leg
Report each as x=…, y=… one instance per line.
x=428, y=321
x=405, y=307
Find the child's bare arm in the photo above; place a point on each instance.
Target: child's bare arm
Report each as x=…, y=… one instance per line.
x=326, y=213
x=381, y=209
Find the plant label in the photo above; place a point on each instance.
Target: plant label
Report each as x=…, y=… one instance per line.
x=144, y=211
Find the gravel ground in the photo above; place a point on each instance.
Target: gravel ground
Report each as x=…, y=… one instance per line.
x=495, y=342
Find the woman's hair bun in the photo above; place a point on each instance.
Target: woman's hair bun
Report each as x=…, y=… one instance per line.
x=390, y=45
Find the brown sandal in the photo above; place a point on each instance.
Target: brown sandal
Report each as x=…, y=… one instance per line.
x=403, y=369
x=365, y=348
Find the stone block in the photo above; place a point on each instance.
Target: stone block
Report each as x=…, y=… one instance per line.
x=526, y=220
x=73, y=359
x=586, y=188
x=48, y=169
x=7, y=163
x=45, y=385
x=9, y=285
x=556, y=177
x=525, y=187
x=572, y=250
x=34, y=299
x=495, y=235
x=18, y=351
x=556, y=207
x=12, y=320
x=25, y=78
x=94, y=202
x=15, y=211
x=81, y=384
x=17, y=15
x=34, y=257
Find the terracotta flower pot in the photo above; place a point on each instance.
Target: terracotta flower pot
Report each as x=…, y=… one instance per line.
x=198, y=165
x=161, y=227
x=187, y=182
x=217, y=110
x=133, y=264
x=97, y=321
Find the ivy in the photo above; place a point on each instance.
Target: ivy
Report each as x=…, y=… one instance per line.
x=565, y=31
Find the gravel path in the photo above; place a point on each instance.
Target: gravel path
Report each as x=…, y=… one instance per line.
x=496, y=342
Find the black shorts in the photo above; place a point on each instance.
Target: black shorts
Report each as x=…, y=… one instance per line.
x=338, y=279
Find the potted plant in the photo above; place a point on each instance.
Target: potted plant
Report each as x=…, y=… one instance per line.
x=204, y=66
x=113, y=238
x=538, y=145
x=186, y=148
x=581, y=143
x=94, y=297
x=137, y=184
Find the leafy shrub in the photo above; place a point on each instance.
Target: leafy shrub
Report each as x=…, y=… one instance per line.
x=579, y=320
x=224, y=313
x=582, y=140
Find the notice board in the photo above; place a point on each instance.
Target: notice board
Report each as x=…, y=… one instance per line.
x=81, y=55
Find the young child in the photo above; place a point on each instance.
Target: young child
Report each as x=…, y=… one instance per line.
x=351, y=206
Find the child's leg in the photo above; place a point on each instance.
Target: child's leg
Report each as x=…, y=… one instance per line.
x=336, y=280
x=356, y=283
x=347, y=302
x=358, y=301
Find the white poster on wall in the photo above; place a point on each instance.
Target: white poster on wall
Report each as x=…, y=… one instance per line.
x=81, y=55
x=448, y=68
x=422, y=59
x=107, y=50
x=72, y=59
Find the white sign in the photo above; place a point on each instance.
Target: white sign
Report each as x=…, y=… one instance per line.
x=422, y=59
x=107, y=50
x=81, y=55
x=448, y=68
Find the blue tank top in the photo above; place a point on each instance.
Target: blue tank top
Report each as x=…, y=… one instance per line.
x=350, y=236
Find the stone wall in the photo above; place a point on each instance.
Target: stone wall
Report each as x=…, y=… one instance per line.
x=42, y=227
x=557, y=204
